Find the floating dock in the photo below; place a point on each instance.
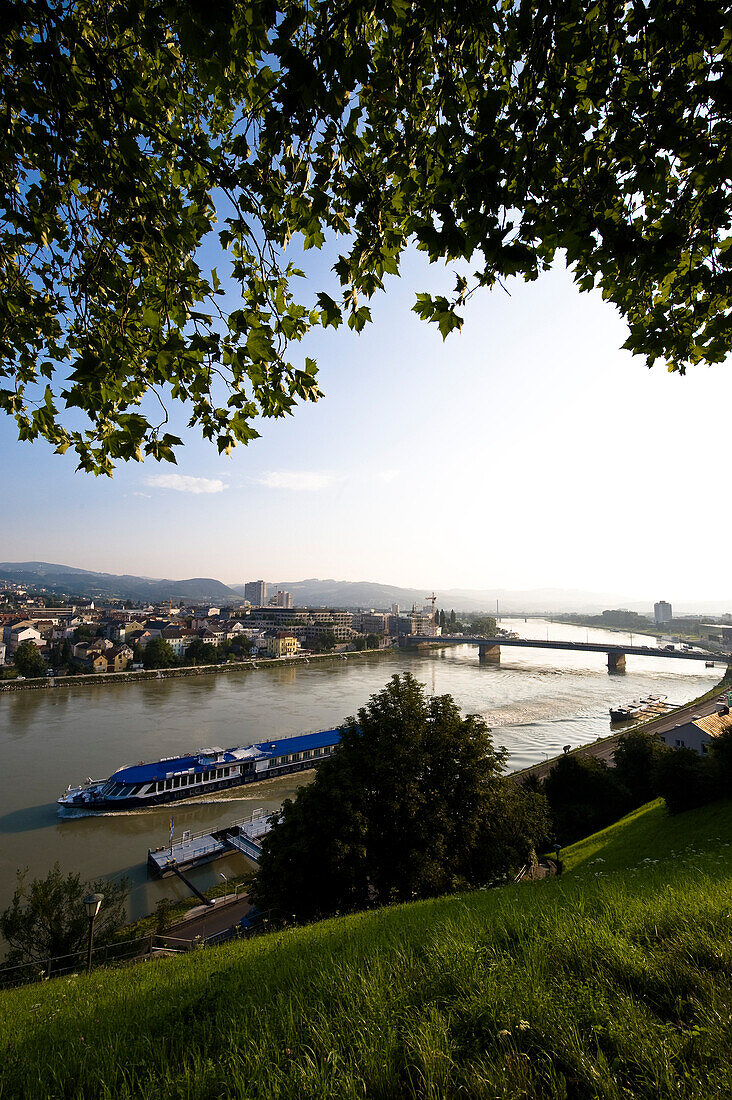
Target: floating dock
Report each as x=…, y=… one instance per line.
x=193, y=850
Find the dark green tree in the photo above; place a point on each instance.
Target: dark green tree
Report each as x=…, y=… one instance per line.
x=46, y=918
x=323, y=643
x=496, y=135
x=199, y=653
x=635, y=758
x=61, y=653
x=159, y=654
x=442, y=619
x=721, y=761
x=684, y=780
x=584, y=795
x=28, y=660
x=483, y=626
x=412, y=804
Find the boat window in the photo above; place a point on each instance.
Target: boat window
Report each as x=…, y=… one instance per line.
x=226, y=771
x=168, y=784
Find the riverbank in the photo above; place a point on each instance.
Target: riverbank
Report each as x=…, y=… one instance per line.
x=46, y=683
x=604, y=747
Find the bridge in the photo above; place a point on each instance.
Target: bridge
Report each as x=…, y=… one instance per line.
x=489, y=649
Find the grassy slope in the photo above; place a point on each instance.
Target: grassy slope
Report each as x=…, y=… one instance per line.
x=614, y=981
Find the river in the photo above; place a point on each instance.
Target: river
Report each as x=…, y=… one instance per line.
x=536, y=701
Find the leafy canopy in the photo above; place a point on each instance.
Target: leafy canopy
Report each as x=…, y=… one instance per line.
x=413, y=804
x=497, y=132
x=46, y=918
x=28, y=660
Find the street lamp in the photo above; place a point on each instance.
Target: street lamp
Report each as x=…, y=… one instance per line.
x=92, y=904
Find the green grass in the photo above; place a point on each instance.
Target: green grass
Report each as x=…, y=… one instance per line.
x=613, y=981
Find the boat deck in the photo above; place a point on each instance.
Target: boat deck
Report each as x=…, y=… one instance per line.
x=192, y=851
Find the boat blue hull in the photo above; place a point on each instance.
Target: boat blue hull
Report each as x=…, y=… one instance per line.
x=186, y=794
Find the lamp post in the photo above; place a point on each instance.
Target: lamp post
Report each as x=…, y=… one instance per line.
x=92, y=904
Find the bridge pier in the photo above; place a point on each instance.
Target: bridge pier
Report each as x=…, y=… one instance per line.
x=616, y=662
x=489, y=654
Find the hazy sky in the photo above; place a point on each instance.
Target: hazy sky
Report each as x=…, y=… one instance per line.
x=527, y=451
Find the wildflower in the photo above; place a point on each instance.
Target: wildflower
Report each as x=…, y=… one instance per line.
x=504, y=1034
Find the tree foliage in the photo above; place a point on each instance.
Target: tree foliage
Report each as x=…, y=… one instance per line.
x=46, y=918
x=159, y=654
x=200, y=652
x=494, y=134
x=584, y=795
x=323, y=642
x=28, y=660
x=636, y=758
x=483, y=626
x=411, y=805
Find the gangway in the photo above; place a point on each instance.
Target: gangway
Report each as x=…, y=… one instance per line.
x=173, y=866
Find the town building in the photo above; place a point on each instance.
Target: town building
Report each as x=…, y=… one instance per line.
x=698, y=732
x=716, y=632
x=281, y=644
x=371, y=622
x=281, y=599
x=256, y=593
x=23, y=632
x=662, y=612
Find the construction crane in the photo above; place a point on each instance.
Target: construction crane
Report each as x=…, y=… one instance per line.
x=432, y=599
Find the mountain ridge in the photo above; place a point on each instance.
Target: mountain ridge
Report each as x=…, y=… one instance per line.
x=327, y=592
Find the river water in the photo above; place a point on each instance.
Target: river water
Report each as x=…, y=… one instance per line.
x=536, y=701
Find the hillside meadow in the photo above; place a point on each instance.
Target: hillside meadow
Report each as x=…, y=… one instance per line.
x=612, y=981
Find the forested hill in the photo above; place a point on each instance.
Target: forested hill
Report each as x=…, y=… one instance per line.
x=62, y=579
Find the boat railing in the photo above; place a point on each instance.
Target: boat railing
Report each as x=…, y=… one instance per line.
x=187, y=837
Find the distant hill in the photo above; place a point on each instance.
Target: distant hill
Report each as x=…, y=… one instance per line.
x=332, y=593
x=65, y=580
x=314, y=592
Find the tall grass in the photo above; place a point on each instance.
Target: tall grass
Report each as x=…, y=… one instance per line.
x=613, y=981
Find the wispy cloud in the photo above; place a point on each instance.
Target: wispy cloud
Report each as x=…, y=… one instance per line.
x=145, y=495
x=387, y=476
x=181, y=483
x=299, y=481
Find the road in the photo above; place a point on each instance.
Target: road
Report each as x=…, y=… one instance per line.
x=207, y=921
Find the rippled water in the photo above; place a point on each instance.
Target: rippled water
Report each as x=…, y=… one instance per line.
x=536, y=701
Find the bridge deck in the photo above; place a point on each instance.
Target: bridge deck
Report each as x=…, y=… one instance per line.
x=579, y=647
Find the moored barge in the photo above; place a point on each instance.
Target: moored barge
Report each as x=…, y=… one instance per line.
x=639, y=708
x=175, y=778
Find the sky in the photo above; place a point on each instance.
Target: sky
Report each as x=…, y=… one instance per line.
x=527, y=451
